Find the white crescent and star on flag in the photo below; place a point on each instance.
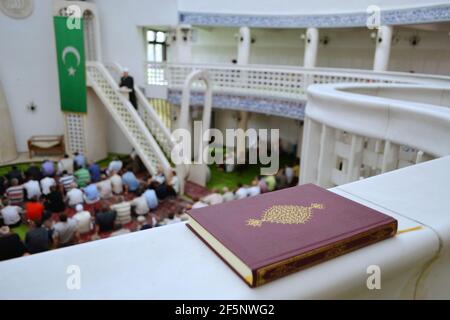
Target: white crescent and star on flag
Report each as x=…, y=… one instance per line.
x=71, y=50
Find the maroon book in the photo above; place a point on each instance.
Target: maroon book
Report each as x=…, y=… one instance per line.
x=274, y=234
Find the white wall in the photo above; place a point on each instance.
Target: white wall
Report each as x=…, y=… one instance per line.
x=271, y=46
x=214, y=45
x=351, y=48
x=354, y=48
x=294, y=6
x=431, y=55
x=121, y=26
x=116, y=140
x=123, y=40
x=347, y=48
x=28, y=72
x=277, y=46
x=28, y=68
x=96, y=130
x=289, y=128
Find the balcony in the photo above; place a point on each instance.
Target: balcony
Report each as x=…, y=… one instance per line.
x=357, y=131
x=172, y=263
x=274, y=90
x=358, y=123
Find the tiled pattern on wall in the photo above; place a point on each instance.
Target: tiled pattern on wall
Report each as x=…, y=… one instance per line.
x=388, y=17
x=293, y=109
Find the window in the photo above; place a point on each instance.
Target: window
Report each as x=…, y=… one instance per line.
x=156, y=46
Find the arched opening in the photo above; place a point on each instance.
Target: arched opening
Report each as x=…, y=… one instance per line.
x=197, y=172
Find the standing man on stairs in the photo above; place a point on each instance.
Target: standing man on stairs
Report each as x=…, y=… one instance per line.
x=128, y=81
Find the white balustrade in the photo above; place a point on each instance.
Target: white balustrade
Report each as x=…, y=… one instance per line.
x=275, y=81
x=349, y=136
x=148, y=114
x=341, y=154
x=126, y=117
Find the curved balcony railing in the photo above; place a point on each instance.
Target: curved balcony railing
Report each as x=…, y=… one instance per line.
x=276, y=81
x=354, y=131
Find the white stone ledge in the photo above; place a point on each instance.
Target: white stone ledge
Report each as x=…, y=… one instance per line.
x=172, y=263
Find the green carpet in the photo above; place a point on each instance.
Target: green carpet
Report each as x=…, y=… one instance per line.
x=24, y=166
x=220, y=178
x=105, y=162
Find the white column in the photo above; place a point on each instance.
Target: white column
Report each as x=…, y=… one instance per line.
x=419, y=156
x=183, y=44
x=243, y=58
x=242, y=124
x=390, y=157
x=301, y=127
x=311, y=45
x=310, y=151
x=243, y=120
x=355, y=158
x=244, y=42
x=383, y=48
x=327, y=157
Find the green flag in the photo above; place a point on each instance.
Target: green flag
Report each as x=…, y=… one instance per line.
x=71, y=65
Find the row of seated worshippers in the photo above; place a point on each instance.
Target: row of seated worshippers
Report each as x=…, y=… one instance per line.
x=286, y=177
x=62, y=207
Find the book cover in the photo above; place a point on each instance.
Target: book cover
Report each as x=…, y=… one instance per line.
x=265, y=237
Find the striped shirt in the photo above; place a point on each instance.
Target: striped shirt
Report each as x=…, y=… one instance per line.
x=67, y=181
x=123, y=211
x=15, y=195
x=83, y=177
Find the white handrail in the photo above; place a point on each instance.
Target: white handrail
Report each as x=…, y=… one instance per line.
x=352, y=131
x=154, y=123
x=419, y=125
x=150, y=142
x=389, y=76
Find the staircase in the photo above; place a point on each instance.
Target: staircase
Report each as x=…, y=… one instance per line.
x=145, y=131
x=147, y=113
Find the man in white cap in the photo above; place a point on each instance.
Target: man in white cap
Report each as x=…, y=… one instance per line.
x=83, y=219
x=128, y=81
